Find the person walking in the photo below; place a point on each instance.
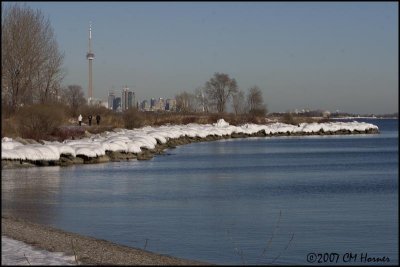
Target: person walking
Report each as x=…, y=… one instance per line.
x=98, y=119
x=90, y=120
x=80, y=119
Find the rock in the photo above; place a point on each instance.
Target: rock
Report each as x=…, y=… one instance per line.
x=42, y=163
x=238, y=135
x=78, y=160
x=261, y=133
x=66, y=160
x=372, y=131
x=99, y=159
x=91, y=160
x=160, y=149
x=145, y=155
x=119, y=155
x=11, y=164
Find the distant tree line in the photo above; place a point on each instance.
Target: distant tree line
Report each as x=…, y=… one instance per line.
x=217, y=93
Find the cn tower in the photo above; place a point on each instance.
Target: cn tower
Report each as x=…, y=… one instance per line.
x=90, y=57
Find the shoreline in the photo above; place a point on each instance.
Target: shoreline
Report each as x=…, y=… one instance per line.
x=87, y=250
x=147, y=154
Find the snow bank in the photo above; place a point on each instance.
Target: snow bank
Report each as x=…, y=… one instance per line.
x=14, y=252
x=147, y=137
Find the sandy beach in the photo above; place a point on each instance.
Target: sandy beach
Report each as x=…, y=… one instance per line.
x=88, y=251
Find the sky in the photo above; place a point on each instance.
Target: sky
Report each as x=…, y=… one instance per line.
x=315, y=55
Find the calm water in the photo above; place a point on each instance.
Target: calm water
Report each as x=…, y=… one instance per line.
x=247, y=201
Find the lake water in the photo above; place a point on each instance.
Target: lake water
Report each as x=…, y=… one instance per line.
x=239, y=201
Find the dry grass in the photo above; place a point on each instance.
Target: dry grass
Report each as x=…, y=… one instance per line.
x=294, y=119
x=34, y=122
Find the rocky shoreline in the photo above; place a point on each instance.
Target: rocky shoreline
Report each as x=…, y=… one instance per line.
x=146, y=154
x=86, y=250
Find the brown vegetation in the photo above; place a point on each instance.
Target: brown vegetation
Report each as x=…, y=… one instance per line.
x=132, y=119
x=295, y=119
x=53, y=122
x=39, y=121
x=255, y=102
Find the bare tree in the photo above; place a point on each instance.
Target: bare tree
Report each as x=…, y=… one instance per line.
x=31, y=61
x=219, y=88
x=201, y=99
x=238, y=103
x=74, y=98
x=255, y=101
x=185, y=102
x=51, y=75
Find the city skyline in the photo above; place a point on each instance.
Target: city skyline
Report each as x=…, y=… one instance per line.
x=335, y=56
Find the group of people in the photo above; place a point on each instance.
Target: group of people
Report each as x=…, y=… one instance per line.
x=90, y=119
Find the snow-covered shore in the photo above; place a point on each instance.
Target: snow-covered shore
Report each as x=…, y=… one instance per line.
x=14, y=252
x=138, y=141
x=54, y=246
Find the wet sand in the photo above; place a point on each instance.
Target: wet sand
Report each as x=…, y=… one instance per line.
x=88, y=251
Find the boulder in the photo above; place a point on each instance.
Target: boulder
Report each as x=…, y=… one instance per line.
x=145, y=155
x=119, y=155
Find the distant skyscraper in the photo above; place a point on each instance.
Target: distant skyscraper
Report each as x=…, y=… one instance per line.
x=145, y=105
x=111, y=97
x=117, y=104
x=152, y=103
x=170, y=104
x=160, y=104
x=128, y=99
x=90, y=57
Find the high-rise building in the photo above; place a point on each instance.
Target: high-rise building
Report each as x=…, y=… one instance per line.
x=144, y=105
x=128, y=99
x=170, y=105
x=160, y=104
x=117, y=104
x=111, y=97
x=152, y=104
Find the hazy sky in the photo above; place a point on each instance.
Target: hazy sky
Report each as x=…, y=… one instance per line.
x=335, y=56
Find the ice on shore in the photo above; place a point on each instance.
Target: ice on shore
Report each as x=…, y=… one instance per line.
x=147, y=137
x=14, y=252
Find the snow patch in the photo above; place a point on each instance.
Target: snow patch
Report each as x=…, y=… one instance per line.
x=221, y=123
x=14, y=252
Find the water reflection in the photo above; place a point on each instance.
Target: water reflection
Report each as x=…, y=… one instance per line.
x=33, y=195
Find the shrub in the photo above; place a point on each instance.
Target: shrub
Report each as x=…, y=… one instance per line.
x=63, y=133
x=133, y=118
x=259, y=112
x=39, y=121
x=189, y=119
x=289, y=119
x=8, y=127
